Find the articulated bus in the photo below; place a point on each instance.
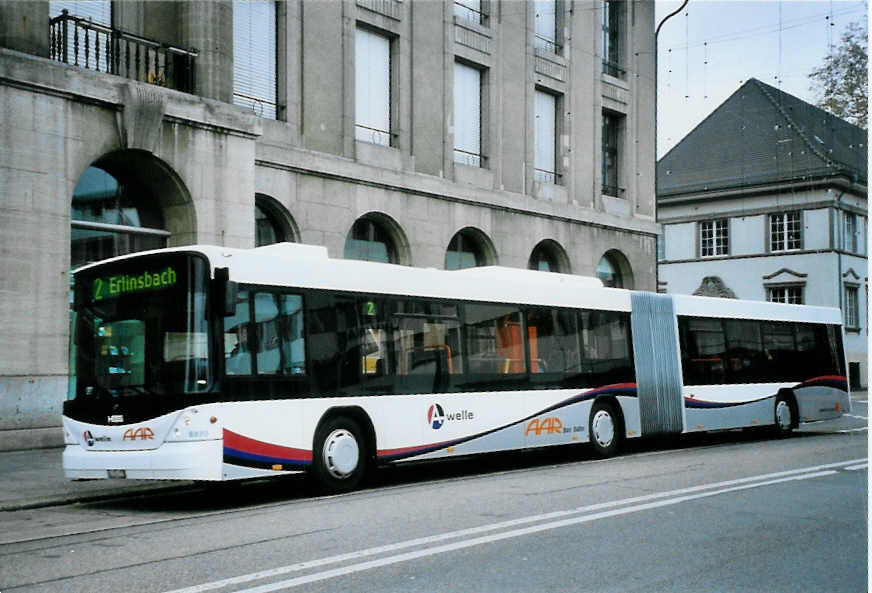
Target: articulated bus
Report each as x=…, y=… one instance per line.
x=211, y=363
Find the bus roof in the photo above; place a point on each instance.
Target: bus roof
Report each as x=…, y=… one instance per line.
x=308, y=266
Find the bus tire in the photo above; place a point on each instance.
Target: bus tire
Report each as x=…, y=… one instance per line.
x=605, y=429
x=786, y=415
x=339, y=456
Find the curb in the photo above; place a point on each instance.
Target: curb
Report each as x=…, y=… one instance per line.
x=65, y=499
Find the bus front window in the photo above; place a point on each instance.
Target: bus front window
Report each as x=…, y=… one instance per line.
x=142, y=328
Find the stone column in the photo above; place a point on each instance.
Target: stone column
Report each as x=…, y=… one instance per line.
x=207, y=26
x=24, y=26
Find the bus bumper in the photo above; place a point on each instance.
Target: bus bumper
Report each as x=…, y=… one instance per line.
x=198, y=460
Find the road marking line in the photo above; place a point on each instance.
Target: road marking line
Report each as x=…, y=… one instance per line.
x=854, y=468
x=854, y=416
x=282, y=570
x=429, y=552
x=847, y=430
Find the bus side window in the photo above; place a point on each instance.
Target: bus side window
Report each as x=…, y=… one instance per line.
x=779, y=347
x=426, y=342
x=747, y=363
x=553, y=343
x=237, y=348
x=292, y=335
x=495, y=343
x=278, y=323
x=334, y=344
x=607, y=350
x=703, y=351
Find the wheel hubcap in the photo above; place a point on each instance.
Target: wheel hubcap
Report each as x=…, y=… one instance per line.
x=603, y=428
x=341, y=453
x=782, y=415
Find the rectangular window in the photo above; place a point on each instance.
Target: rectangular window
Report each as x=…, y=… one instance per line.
x=494, y=340
x=426, y=339
x=785, y=231
x=746, y=361
x=546, y=24
x=467, y=115
x=779, y=348
x=254, y=56
x=610, y=144
x=785, y=294
x=714, y=238
x=612, y=30
x=471, y=10
x=265, y=335
x=849, y=240
x=334, y=344
x=703, y=351
x=545, y=132
x=852, y=309
x=372, y=87
x=553, y=343
x=606, y=347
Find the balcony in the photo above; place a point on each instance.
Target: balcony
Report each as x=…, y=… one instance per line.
x=86, y=44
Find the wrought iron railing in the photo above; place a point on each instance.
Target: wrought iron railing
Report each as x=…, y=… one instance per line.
x=471, y=159
x=549, y=45
x=614, y=69
x=84, y=43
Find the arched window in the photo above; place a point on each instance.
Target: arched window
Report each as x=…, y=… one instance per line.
x=548, y=256
x=614, y=270
x=370, y=241
x=111, y=218
x=272, y=223
x=467, y=249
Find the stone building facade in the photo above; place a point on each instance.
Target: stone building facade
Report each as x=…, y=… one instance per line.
x=153, y=125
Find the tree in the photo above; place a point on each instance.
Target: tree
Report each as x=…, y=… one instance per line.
x=841, y=82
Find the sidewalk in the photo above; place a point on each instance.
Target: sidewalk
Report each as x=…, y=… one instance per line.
x=35, y=478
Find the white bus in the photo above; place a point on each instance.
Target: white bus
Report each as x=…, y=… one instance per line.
x=211, y=363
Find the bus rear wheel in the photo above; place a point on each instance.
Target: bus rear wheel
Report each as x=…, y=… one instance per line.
x=605, y=429
x=339, y=455
x=785, y=415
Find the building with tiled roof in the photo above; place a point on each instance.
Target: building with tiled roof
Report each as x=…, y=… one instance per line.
x=766, y=199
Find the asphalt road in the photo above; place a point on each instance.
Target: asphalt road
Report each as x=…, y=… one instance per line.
x=732, y=511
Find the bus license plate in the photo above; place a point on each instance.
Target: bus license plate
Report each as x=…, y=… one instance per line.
x=117, y=474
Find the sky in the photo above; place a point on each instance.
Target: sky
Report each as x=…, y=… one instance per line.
x=712, y=47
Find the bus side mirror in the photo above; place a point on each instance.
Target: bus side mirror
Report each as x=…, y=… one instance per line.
x=224, y=293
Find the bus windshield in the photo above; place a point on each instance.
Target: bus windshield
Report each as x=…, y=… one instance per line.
x=141, y=328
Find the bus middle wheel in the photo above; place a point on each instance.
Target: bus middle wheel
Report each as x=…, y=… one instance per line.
x=606, y=429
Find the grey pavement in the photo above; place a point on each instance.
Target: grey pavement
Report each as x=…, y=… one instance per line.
x=34, y=478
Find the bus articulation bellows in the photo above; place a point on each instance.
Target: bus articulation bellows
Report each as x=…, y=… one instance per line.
x=210, y=363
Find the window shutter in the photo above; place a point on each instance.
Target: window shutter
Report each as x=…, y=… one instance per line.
x=372, y=87
x=545, y=137
x=467, y=114
x=254, y=57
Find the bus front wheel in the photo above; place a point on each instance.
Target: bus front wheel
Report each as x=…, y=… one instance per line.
x=339, y=454
x=605, y=429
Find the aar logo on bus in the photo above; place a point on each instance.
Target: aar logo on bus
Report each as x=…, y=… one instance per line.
x=435, y=416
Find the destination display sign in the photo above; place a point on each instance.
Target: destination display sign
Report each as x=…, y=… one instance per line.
x=111, y=287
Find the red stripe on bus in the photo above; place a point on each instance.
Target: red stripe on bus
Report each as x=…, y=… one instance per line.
x=249, y=445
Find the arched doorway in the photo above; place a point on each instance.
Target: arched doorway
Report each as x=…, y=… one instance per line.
x=128, y=201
